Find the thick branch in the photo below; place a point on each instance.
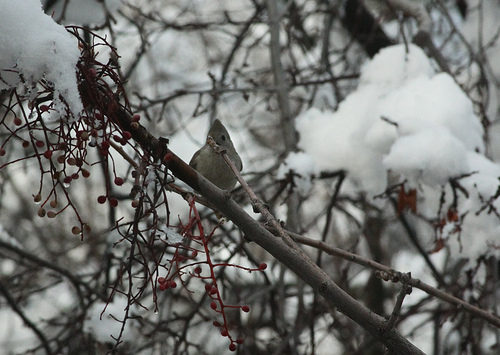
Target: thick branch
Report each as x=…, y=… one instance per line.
x=302, y=266
x=290, y=135
x=282, y=87
x=417, y=283
x=364, y=27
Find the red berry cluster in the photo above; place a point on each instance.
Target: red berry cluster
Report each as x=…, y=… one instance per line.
x=209, y=277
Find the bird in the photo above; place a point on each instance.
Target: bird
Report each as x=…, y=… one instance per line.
x=211, y=165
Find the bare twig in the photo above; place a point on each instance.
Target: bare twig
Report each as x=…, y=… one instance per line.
x=395, y=275
x=124, y=154
x=49, y=265
x=405, y=290
x=257, y=204
x=422, y=38
x=14, y=305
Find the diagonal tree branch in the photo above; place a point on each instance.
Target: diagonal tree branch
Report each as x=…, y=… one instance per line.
x=302, y=266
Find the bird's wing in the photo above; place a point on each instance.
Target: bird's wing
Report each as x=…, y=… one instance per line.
x=192, y=163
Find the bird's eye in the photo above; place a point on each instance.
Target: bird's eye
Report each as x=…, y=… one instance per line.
x=223, y=137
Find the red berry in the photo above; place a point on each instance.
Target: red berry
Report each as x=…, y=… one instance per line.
x=67, y=180
x=44, y=108
x=41, y=212
x=84, y=135
x=232, y=347
x=18, y=121
x=167, y=157
x=245, y=309
x=85, y=173
x=2, y=152
x=75, y=176
x=48, y=154
x=213, y=290
x=39, y=144
x=216, y=323
x=240, y=340
x=101, y=199
x=113, y=106
x=26, y=144
x=208, y=287
x=162, y=280
x=197, y=270
x=118, y=181
x=163, y=287
x=136, y=118
x=452, y=215
x=213, y=305
x=173, y=284
x=113, y=202
x=224, y=333
x=263, y=266
x=127, y=135
x=105, y=145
